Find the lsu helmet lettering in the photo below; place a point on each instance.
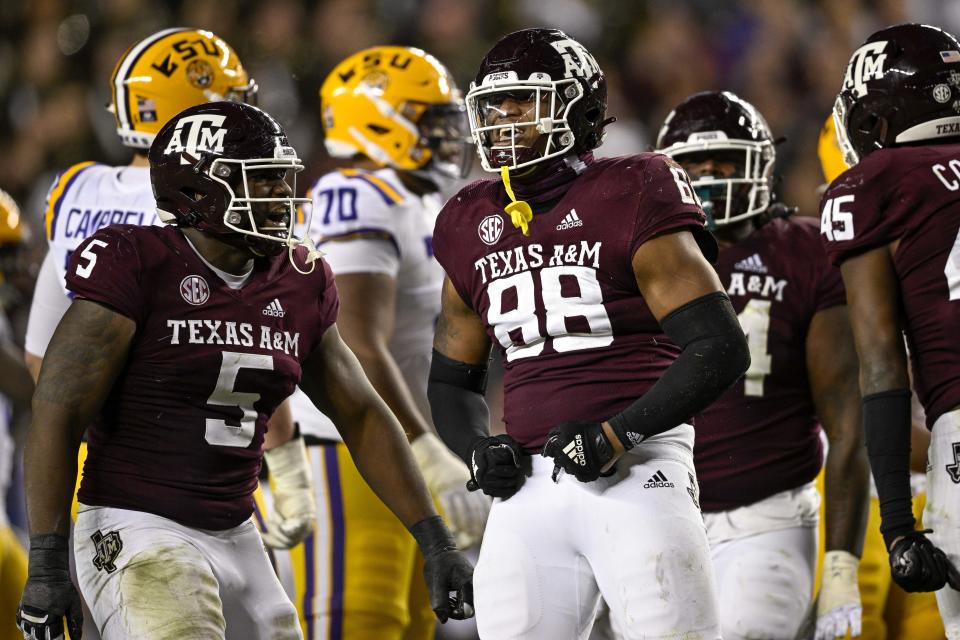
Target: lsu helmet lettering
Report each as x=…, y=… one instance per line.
x=399, y=107
x=167, y=72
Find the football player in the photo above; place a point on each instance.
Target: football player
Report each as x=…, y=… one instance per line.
x=591, y=278
x=397, y=115
x=889, y=613
x=168, y=351
x=758, y=447
x=16, y=387
x=891, y=222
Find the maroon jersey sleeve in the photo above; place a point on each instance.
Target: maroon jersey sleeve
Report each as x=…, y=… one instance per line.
x=451, y=229
x=852, y=216
x=667, y=201
x=106, y=269
x=329, y=300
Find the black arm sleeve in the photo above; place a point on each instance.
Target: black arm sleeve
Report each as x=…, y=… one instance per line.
x=460, y=413
x=714, y=356
x=886, y=421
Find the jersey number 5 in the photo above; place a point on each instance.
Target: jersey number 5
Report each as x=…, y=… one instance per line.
x=513, y=310
x=218, y=431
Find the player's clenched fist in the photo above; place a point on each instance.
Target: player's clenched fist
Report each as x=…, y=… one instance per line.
x=917, y=565
x=49, y=596
x=579, y=448
x=495, y=466
x=448, y=574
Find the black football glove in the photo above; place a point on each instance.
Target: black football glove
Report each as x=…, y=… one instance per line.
x=49, y=596
x=579, y=448
x=917, y=565
x=495, y=466
x=448, y=574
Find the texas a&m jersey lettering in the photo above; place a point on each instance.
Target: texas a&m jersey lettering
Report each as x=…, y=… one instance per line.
x=562, y=281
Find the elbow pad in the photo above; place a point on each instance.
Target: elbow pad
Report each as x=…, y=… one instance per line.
x=714, y=355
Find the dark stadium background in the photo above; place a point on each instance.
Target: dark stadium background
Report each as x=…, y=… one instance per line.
x=785, y=56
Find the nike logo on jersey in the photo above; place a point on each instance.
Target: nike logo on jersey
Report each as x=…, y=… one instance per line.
x=274, y=309
x=572, y=220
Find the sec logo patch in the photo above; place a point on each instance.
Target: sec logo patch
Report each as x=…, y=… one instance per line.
x=194, y=290
x=491, y=228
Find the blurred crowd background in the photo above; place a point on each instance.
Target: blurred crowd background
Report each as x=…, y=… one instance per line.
x=785, y=56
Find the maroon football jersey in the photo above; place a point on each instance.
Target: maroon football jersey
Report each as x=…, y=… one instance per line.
x=762, y=436
x=910, y=195
x=577, y=339
x=181, y=434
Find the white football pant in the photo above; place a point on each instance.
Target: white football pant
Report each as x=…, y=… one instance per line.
x=942, y=511
x=160, y=580
x=765, y=556
x=636, y=537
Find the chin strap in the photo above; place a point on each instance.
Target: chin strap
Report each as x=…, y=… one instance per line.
x=520, y=212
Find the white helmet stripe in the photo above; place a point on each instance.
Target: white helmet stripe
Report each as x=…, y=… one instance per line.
x=119, y=87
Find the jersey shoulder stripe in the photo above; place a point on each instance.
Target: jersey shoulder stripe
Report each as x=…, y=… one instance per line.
x=60, y=187
x=389, y=194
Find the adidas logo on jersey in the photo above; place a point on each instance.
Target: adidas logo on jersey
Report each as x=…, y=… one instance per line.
x=657, y=481
x=753, y=264
x=274, y=309
x=572, y=220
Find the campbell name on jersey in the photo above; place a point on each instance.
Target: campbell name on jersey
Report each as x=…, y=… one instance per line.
x=90, y=196
x=369, y=222
x=182, y=431
x=762, y=436
x=562, y=304
x=909, y=196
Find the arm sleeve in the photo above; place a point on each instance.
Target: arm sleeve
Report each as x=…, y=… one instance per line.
x=106, y=269
x=47, y=308
x=667, y=203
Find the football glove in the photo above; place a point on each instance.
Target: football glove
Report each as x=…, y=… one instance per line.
x=446, y=476
x=448, y=574
x=838, y=606
x=917, y=565
x=294, y=504
x=579, y=448
x=495, y=466
x=49, y=596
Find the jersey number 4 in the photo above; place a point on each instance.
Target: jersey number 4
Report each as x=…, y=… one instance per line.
x=513, y=310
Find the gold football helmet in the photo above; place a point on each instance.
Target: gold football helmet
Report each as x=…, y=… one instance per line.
x=399, y=107
x=828, y=149
x=167, y=72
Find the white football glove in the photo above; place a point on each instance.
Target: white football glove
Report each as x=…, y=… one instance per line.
x=446, y=476
x=294, y=509
x=838, y=607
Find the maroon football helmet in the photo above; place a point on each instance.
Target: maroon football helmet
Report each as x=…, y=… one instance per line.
x=901, y=86
x=200, y=162
x=561, y=81
x=720, y=124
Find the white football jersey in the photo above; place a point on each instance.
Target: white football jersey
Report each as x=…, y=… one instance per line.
x=368, y=222
x=6, y=425
x=83, y=199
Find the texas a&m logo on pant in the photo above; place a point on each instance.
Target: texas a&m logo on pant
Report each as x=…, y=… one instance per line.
x=108, y=548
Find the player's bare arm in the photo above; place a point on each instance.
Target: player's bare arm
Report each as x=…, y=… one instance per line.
x=280, y=427
x=86, y=354
x=368, y=330
x=16, y=382
x=335, y=382
x=832, y=366
x=461, y=334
